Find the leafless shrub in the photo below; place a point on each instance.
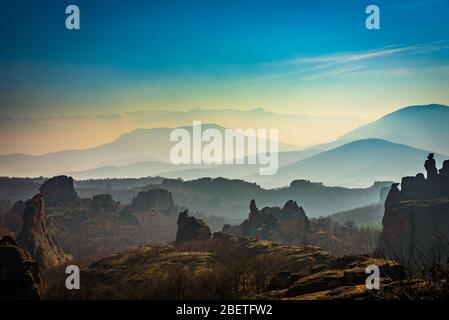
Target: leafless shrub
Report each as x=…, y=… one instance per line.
x=427, y=272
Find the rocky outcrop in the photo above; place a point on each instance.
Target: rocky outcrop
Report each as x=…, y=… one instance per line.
x=314, y=274
x=260, y=223
x=292, y=272
x=59, y=192
x=13, y=218
x=146, y=272
x=36, y=239
x=99, y=226
x=304, y=184
x=147, y=259
x=153, y=199
x=191, y=228
x=341, y=278
x=104, y=204
x=416, y=231
x=435, y=186
x=287, y=225
x=416, y=218
x=20, y=278
x=291, y=211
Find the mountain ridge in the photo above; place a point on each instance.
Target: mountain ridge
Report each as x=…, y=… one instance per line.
x=420, y=126
x=357, y=163
x=152, y=143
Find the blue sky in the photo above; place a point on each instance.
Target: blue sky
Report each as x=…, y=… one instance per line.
x=301, y=57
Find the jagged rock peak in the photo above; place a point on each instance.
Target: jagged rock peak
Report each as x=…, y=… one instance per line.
x=191, y=228
x=430, y=166
x=253, y=207
x=253, y=210
x=292, y=207
x=35, y=238
x=59, y=191
x=435, y=186
x=34, y=214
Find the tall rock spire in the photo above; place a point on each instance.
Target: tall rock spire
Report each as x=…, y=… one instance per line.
x=36, y=239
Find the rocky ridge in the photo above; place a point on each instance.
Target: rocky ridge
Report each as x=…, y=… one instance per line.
x=416, y=218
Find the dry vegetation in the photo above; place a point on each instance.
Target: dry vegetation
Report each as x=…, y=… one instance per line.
x=343, y=238
x=236, y=275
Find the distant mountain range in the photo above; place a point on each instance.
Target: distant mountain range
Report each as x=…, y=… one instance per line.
x=186, y=172
x=134, y=147
x=354, y=164
x=394, y=146
x=423, y=127
x=37, y=134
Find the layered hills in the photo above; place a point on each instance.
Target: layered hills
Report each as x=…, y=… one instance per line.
x=369, y=153
x=357, y=163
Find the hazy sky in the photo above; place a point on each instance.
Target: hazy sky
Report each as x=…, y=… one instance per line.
x=290, y=57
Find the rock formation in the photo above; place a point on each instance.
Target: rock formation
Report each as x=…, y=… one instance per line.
x=430, y=166
x=416, y=218
x=103, y=204
x=36, y=239
x=273, y=223
x=153, y=199
x=304, y=184
x=20, y=278
x=13, y=218
x=99, y=226
x=291, y=211
x=59, y=192
x=191, y=228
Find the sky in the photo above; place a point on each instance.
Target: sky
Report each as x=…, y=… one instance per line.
x=288, y=57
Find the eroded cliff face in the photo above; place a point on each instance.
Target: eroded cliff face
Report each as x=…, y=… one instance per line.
x=416, y=218
x=36, y=239
x=416, y=230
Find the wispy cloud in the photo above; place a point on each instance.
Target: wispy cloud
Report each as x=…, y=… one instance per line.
x=314, y=67
x=348, y=57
